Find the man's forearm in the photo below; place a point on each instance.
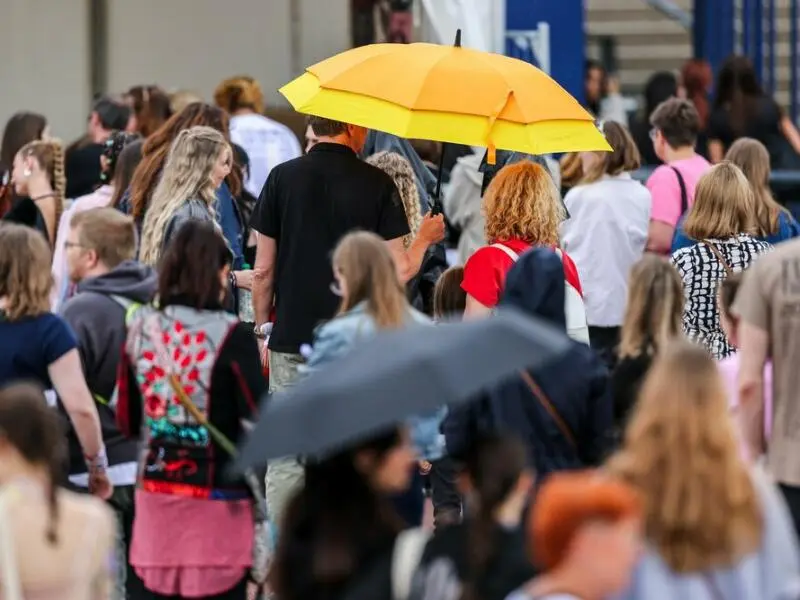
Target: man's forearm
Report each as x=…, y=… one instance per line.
x=751, y=415
x=412, y=260
x=262, y=297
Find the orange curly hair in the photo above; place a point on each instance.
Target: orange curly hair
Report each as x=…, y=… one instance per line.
x=522, y=202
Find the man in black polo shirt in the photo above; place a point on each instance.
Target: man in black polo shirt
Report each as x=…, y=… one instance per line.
x=307, y=205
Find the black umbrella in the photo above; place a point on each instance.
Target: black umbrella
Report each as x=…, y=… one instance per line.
x=394, y=376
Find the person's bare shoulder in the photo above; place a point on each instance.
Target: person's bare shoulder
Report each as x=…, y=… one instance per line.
x=89, y=510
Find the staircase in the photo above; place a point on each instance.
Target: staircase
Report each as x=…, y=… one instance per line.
x=645, y=40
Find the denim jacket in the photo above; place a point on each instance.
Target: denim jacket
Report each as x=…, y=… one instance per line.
x=335, y=338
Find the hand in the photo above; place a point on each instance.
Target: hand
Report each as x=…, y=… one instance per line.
x=432, y=229
x=425, y=467
x=244, y=280
x=100, y=485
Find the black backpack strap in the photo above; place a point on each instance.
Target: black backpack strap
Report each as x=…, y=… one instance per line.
x=684, y=193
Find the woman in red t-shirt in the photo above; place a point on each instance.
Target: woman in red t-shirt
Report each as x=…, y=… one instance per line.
x=523, y=209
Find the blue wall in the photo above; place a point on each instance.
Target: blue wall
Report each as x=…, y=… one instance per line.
x=567, y=39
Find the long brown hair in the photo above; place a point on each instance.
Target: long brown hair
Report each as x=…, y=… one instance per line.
x=50, y=156
x=724, y=204
x=752, y=157
x=364, y=262
x=151, y=105
x=680, y=451
x=654, y=310
x=35, y=431
x=25, y=280
x=156, y=148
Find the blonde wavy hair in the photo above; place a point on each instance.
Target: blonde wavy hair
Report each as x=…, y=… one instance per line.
x=522, y=202
x=752, y=157
x=724, y=204
x=680, y=451
x=654, y=309
x=401, y=172
x=364, y=262
x=25, y=280
x=187, y=175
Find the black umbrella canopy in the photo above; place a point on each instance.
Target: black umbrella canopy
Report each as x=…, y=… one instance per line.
x=394, y=376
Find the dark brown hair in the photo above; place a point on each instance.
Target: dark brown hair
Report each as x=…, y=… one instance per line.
x=127, y=161
x=449, y=300
x=678, y=122
x=326, y=127
x=22, y=128
x=190, y=265
x=494, y=466
x=623, y=158
x=156, y=148
x=151, y=105
x=34, y=430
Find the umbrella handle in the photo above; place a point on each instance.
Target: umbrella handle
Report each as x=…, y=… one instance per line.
x=437, y=207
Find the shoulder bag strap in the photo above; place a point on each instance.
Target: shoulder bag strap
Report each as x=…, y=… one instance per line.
x=10, y=584
x=508, y=251
x=684, y=193
x=408, y=549
x=713, y=247
x=548, y=406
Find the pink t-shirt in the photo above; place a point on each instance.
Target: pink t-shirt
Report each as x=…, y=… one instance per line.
x=666, y=191
x=729, y=369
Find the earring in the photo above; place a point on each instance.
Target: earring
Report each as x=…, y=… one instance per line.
x=27, y=173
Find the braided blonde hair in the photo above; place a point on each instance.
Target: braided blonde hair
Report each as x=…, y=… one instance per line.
x=186, y=176
x=402, y=173
x=50, y=156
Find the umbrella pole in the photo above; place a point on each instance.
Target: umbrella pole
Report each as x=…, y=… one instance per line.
x=437, y=207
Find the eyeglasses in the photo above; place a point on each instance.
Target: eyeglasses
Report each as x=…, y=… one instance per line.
x=68, y=245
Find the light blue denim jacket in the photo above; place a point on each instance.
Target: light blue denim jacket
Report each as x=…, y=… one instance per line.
x=335, y=338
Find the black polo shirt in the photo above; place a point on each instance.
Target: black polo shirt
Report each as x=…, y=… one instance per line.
x=307, y=205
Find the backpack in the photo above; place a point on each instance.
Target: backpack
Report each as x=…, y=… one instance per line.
x=574, y=309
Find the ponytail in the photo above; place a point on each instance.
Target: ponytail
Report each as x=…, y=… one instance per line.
x=58, y=178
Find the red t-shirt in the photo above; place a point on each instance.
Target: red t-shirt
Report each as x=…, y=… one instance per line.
x=486, y=270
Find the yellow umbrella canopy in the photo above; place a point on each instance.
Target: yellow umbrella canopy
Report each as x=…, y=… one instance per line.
x=447, y=94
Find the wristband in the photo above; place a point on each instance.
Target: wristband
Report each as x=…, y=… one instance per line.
x=97, y=463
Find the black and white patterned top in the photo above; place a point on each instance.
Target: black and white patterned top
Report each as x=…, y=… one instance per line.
x=702, y=272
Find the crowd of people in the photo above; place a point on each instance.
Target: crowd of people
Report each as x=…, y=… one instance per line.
x=164, y=275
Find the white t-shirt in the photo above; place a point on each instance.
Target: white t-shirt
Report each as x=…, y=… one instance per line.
x=605, y=235
x=267, y=143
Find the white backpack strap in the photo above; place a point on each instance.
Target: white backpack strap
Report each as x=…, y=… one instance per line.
x=408, y=549
x=10, y=584
x=509, y=252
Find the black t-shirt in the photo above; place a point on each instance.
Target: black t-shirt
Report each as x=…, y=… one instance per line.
x=764, y=125
x=307, y=205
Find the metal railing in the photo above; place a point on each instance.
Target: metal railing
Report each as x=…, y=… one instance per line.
x=673, y=11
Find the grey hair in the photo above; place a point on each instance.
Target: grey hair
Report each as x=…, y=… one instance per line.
x=187, y=175
x=402, y=173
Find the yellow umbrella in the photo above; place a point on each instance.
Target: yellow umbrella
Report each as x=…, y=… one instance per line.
x=447, y=94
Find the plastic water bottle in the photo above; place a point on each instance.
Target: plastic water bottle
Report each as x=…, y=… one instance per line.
x=246, y=312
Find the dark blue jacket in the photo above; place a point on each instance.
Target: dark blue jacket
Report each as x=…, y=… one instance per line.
x=576, y=385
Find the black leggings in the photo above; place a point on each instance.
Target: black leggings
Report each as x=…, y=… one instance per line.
x=238, y=592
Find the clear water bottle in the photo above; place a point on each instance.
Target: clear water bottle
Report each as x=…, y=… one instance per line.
x=246, y=312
